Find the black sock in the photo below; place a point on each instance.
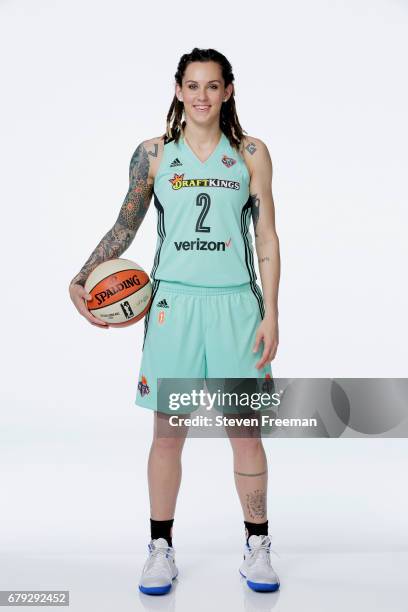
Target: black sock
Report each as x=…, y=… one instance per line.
x=161, y=529
x=256, y=529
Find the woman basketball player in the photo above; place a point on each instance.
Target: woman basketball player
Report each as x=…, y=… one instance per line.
x=208, y=179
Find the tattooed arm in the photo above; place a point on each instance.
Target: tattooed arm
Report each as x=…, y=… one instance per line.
x=259, y=164
x=120, y=236
x=131, y=214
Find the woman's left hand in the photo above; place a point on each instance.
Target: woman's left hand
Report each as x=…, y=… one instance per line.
x=268, y=332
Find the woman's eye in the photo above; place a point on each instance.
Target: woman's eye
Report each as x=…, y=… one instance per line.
x=192, y=86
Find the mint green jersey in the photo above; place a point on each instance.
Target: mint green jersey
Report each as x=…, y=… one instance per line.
x=204, y=211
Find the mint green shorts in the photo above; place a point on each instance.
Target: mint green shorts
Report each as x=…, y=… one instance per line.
x=198, y=333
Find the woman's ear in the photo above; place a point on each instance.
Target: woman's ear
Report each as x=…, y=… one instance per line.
x=229, y=90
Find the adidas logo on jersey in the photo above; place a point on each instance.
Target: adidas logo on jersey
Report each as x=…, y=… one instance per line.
x=162, y=304
x=175, y=162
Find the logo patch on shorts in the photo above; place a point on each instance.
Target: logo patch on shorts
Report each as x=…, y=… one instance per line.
x=267, y=385
x=161, y=317
x=143, y=387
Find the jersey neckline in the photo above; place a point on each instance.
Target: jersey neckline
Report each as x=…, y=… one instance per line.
x=212, y=155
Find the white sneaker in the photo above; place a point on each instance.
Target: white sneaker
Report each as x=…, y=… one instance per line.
x=160, y=569
x=256, y=567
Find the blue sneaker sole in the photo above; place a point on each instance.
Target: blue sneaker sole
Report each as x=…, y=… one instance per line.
x=262, y=587
x=155, y=590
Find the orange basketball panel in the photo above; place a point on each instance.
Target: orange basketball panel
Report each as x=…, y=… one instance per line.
x=116, y=287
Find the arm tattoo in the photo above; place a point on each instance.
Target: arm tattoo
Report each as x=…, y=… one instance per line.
x=245, y=474
x=131, y=215
x=251, y=148
x=262, y=259
x=255, y=202
x=256, y=504
x=154, y=153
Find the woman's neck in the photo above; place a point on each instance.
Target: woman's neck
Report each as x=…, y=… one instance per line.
x=202, y=137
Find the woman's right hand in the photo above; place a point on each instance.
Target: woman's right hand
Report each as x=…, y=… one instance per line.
x=80, y=296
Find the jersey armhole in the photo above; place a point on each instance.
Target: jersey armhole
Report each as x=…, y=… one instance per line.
x=246, y=171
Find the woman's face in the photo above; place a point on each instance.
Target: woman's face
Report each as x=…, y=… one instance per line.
x=203, y=92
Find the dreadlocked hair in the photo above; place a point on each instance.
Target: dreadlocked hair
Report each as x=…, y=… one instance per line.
x=229, y=123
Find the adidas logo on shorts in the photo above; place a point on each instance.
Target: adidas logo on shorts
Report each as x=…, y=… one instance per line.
x=175, y=162
x=162, y=304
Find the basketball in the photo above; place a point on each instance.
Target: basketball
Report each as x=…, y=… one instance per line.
x=121, y=292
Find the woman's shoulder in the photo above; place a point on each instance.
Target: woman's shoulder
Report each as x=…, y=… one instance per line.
x=153, y=145
x=250, y=145
x=254, y=152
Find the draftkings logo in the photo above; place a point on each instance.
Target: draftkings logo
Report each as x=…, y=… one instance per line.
x=178, y=182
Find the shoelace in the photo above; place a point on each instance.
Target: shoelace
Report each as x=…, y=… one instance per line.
x=158, y=558
x=255, y=551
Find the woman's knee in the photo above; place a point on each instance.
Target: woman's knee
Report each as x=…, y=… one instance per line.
x=247, y=446
x=167, y=445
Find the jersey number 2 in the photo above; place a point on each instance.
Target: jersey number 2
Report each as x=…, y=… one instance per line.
x=204, y=200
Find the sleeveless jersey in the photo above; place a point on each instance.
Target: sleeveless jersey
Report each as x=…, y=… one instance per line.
x=203, y=216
